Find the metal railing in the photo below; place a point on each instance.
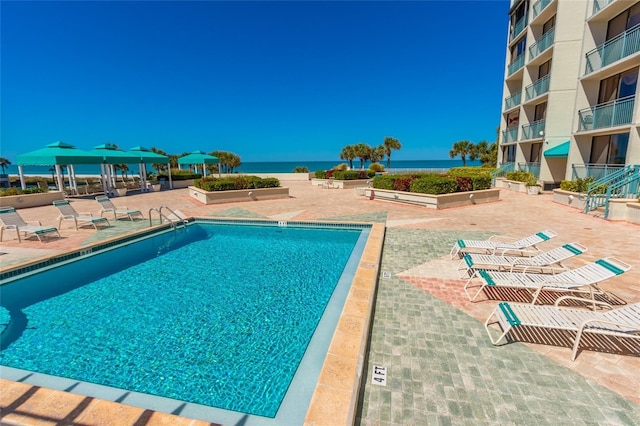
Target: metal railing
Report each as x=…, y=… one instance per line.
x=624, y=183
x=518, y=27
x=598, y=5
x=512, y=100
x=516, y=64
x=597, y=171
x=539, y=6
x=533, y=130
x=543, y=44
x=510, y=134
x=608, y=114
x=538, y=88
x=533, y=168
x=502, y=171
x=619, y=47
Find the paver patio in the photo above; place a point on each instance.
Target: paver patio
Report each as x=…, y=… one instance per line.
x=442, y=368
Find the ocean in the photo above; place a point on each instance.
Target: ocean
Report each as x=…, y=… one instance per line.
x=263, y=167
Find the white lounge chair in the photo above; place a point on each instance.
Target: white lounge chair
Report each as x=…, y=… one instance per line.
x=108, y=207
x=67, y=212
x=10, y=219
x=494, y=246
x=572, y=280
x=545, y=262
x=622, y=322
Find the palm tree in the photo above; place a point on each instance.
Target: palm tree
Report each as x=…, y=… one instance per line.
x=389, y=144
x=123, y=170
x=348, y=153
x=461, y=148
x=159, y=167
x=363, y=152
x=4, y=163
x=228, y=160
x=377, y=154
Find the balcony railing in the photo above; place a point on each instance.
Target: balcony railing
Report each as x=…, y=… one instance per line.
x=512, y=100
x=609, y=114
x=539, y=6
x=516, y=64
x=510, y=134
x=598, y=5
x=538, y=88
x=597, y=171
x=543, y=44
x=619, y=47
x=533, y=168
x=518, y=27
x=533, y=130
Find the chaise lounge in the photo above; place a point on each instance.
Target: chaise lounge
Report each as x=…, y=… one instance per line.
x=108, y=207
x=10, y=219
x=494, y=246
x=67, y=212
x=622, y=322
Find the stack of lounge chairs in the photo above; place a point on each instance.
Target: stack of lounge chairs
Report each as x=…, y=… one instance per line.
x=521, y=266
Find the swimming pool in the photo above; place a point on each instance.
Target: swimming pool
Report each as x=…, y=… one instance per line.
x=183, y=322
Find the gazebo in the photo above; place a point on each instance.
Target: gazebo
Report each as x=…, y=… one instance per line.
x=146, y=156
x=109, y=155
x=199, y=157
x=56, y=154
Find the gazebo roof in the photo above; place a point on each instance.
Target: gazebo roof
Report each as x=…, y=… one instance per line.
x=198, y=157
x=148, y=156
x=60, y=153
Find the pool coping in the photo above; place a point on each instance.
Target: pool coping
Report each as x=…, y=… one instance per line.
x=335, y=397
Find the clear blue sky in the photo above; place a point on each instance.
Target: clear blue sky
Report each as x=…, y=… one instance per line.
x=269, y=81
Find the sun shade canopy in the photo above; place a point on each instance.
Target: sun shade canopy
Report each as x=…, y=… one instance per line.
x=558, y=151
x=198, y=157
x=59, y=153
x=109, y=154
x=146, y=156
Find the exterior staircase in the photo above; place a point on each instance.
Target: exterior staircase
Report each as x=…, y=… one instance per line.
x=624, y=183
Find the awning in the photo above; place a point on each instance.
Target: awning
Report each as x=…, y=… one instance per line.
x=558, y=151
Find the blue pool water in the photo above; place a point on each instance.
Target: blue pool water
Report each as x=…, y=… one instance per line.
x=218, y=315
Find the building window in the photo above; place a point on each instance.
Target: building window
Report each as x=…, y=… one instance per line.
x=549, y=25
x=618, y=86
x=509, y=154
x=540, y=112
x=536, y=153
x=518, y=48
x=609, y=149
x=544, y=69
x=627, y=19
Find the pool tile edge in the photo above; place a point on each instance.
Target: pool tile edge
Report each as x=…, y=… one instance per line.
x=353, y=330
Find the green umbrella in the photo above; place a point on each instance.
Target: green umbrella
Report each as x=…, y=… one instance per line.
x=199, y=157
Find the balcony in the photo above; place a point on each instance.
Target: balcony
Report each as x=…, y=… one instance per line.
x=597, y=171
x=533, y=130
x=533, y=168
x=516, y=64
x=510, y=134
x=538, y=88
x=540, y=5
x=543, y=44
x=518, y=27
x=619, y=47
x=609, y=114
x=598, y=5
x=512, y=101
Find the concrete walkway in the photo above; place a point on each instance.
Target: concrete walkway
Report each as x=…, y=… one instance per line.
x=442, y=368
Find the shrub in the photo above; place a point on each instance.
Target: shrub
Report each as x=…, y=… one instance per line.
x=481, y=182
x=376, y=167
x=235, y=182
x=464, y=183
x=434, y=185
x=469, y=171
x=320, y=174
x=520, y=176
x=180, y=175
x=341, y=167
x=346, y=175
x=403, y=183
x=15, y=191
x=569, y=185
x=581, y=185
x=384, y=181
x=301, y=169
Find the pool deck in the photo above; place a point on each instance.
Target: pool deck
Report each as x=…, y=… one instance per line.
x=441, y=366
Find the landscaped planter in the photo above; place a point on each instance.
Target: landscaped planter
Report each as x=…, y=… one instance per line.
x=341, y=184
x=569, y=198
x=511, y=185
x=218, y=197
x=31, y=200
x=439, y=202
x=178, y=184
x=624, y=209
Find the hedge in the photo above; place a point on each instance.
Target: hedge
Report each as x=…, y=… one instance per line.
x=434, y=185
x=235, y=182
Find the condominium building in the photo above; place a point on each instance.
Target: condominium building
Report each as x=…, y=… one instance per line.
x=571, y=88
